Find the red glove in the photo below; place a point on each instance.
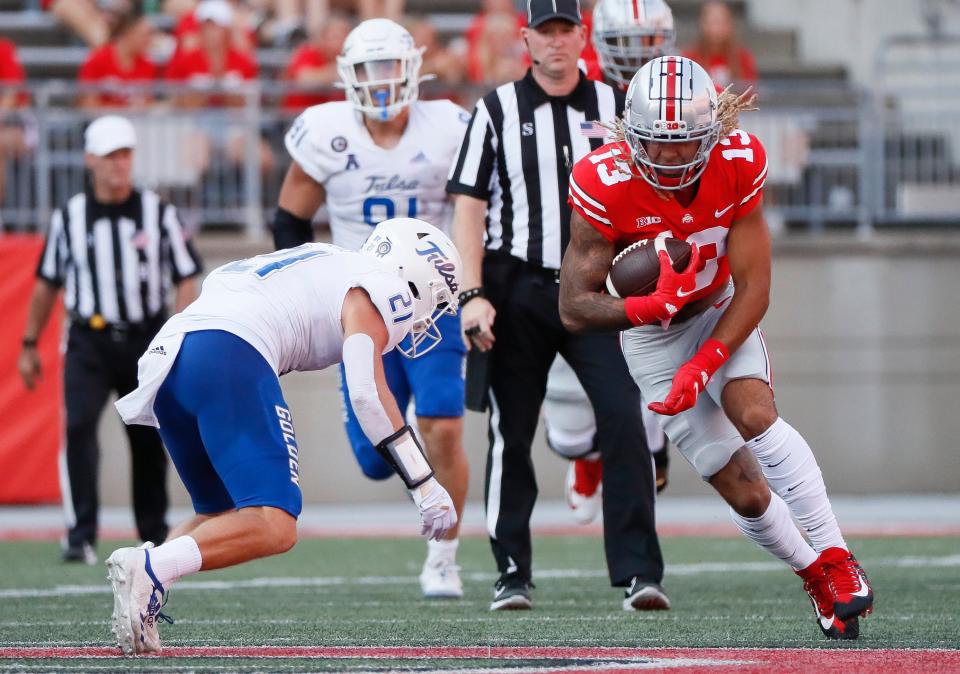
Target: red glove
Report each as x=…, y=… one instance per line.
x=670, y=296
x=691, y=379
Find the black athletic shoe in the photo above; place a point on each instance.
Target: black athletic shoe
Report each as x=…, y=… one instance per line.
x=642, y=595
x=80, y=553
x=512, y=593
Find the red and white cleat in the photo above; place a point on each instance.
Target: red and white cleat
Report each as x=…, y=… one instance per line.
x=852, y=593
x=817, y=586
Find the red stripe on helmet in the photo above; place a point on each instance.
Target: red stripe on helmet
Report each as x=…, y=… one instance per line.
x=671, y=111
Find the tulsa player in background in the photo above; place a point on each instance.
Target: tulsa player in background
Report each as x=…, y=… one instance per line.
x=625, y=35
x=210, y=381
x=382, y=153
x=682, y=168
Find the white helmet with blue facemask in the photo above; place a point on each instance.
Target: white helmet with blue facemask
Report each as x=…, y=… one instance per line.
x=380, y=68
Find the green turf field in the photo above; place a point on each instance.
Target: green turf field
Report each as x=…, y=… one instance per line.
x=725, y=593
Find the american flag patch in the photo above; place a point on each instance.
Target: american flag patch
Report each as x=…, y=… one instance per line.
x=593, y=130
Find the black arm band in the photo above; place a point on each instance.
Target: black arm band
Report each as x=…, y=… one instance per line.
x=289, y=231
x=405, y=455
x=468, y=295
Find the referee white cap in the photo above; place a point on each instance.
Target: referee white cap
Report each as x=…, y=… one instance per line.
x=108, y=134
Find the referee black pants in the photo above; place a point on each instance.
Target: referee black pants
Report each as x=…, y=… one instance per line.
x=98, y=362
x=528, y=335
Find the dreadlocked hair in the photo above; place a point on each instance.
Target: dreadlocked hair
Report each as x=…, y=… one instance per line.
x=730, y=105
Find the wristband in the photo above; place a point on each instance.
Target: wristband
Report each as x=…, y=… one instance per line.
x=290, y=230
x=402, y=451
x=468, y=295
x=712, y=355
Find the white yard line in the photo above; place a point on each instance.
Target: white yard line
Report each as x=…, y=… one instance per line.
x=339, y=581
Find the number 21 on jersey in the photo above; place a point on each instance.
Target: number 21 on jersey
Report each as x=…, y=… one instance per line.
x=378, y=209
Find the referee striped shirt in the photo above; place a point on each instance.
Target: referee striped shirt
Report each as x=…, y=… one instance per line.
x=517, y=155
x=117, y=261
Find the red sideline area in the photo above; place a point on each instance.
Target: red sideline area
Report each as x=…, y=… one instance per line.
x=747, y=660
x=31, y=420
x=894, y=530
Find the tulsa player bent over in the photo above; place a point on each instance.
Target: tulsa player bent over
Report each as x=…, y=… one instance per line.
x=210, y=381
x=382, y=153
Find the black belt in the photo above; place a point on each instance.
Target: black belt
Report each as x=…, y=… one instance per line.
x=546, y=273
x=97, y=323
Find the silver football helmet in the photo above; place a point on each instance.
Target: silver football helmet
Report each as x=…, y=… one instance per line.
x=628, y=33
x=380, y=68
x=671, y=100
x=427, y=260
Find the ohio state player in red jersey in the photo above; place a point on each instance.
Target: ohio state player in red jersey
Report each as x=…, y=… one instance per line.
x=694, y=347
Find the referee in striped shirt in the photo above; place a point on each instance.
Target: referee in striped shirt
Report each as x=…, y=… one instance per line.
x=115, y=250
x=512, y=225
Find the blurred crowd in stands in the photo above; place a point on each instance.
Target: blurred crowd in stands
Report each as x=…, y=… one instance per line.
x=211, y=45
x=208, y=41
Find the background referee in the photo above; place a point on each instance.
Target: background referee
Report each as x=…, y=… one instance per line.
x=511, y=180
x=116, y=250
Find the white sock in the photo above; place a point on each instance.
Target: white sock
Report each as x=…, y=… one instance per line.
x=442, y=550
x=175, y=559
x=792, y=471
x=776, y=533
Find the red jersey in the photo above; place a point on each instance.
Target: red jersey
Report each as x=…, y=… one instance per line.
x=11, y=72
x=307, y=56
x=187, y=33
x=625, y=208
x=193, y=65
x=102, y=65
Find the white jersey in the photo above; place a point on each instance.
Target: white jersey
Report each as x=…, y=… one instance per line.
x=366, y=184
x=286, y=305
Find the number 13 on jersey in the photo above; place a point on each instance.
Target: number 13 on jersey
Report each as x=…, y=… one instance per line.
x=378, y=209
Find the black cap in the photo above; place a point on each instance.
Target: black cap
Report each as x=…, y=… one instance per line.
x=540, y=11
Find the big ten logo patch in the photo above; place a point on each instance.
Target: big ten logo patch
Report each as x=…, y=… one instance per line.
x=290, y=440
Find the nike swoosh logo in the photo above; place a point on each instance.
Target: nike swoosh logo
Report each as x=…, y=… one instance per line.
x=774, y=465
x=684, y=293
x=718, y=214
x=864, y=588
x=790, y=489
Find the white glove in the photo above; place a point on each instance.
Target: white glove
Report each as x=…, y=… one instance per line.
x=437, y=514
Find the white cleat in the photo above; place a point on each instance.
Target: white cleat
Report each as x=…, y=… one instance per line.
x=137, y=600
x=440, y=579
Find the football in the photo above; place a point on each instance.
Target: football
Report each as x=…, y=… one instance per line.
x=636, y=268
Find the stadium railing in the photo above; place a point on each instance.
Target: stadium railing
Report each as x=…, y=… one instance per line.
x=838, y=157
